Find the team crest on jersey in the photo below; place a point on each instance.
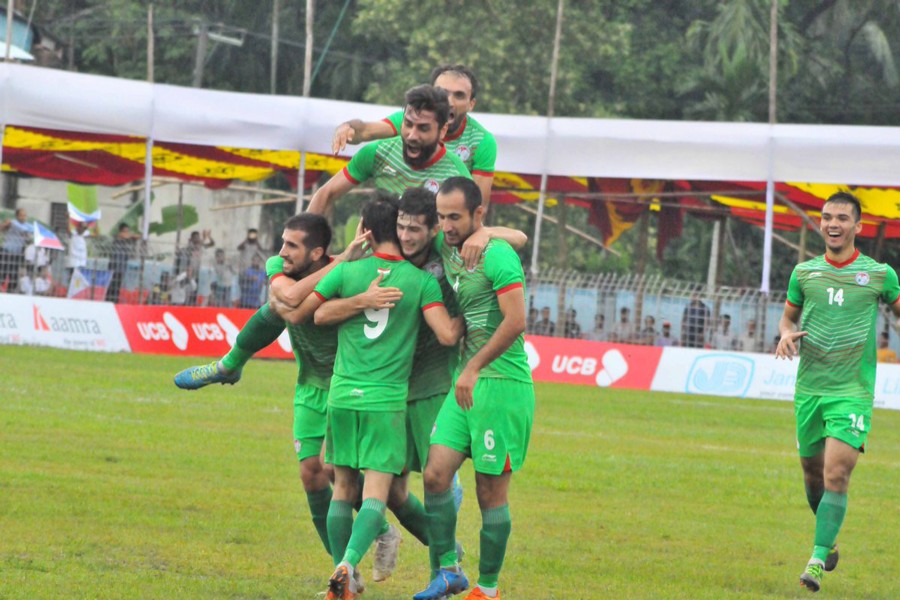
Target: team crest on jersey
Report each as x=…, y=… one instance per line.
x=435, y=267
x=862, y=278
x=463, y=152
x=384, y=272
x=432, y=185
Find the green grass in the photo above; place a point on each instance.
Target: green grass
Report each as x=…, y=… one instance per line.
x=114, y=484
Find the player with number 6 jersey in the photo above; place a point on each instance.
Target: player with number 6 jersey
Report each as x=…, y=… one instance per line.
x=837, y=296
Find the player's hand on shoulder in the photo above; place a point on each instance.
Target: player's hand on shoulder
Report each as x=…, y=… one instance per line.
x=787, y=348
x=378, y=297
x=473, y=248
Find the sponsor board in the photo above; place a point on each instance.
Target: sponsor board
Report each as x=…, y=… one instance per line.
x=193, y=331
x=60, y=323
x=591, y=363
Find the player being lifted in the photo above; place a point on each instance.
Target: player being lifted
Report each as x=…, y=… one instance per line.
x=415, y=158
x=367, y=400
x=837, y=296
x=488, y=414
x=465, y=136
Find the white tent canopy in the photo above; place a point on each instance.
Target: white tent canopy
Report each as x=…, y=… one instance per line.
x=53, y=99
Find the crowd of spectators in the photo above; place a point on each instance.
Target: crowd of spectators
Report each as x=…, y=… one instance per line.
x=199, y=273
x=697, y=329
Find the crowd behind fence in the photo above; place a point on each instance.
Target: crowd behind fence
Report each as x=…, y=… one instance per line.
x=635, y=309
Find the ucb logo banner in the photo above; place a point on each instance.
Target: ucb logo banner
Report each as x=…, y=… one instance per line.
x=195, y=331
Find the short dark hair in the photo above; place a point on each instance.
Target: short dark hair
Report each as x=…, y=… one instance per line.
x=467, y=186
x=316, y=228
x=461, y=70
x=847, y=198
x=379, y=216
x=419, y=201
x=428, y=97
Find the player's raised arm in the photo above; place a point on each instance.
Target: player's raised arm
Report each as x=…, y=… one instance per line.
x=356, y=131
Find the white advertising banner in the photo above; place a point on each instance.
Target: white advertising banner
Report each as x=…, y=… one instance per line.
x=749, y=375
x=61, y=323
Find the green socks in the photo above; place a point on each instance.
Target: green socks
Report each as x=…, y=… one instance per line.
x=814, y=497
x=413, y=518
x=829, y=518
x=340, y=526
x=495, y=528
x=262, y=329
x=365, y=529
x=319, y=503
x=442, y=527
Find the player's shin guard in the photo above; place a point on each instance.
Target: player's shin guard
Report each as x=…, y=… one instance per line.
x=413, y=518
x=496, y=526
x=319, y=502
x=442, y=526
x=262, y=329
x=340, y=527
x=365, y=529
x=829, y=519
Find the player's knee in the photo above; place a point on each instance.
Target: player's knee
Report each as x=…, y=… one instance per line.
x=436, y=478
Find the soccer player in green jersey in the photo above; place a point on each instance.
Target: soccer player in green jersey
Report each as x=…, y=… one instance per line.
x=465, y=136
x=837, y=296
x=488, y=414
x=433, y=363
x=367, y=401
x=415, y=158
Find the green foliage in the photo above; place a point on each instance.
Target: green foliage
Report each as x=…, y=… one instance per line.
x=124, y=486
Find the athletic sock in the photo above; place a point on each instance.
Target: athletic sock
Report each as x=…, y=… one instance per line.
x=495, y=528
x=413, y=518
x=829, y=519
x=340, y=527
x=262, y=329
x=814, y=497
x=365, y=530
x=442, y=527
x=319, y=503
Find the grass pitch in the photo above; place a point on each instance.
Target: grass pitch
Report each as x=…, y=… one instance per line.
x=115, y=484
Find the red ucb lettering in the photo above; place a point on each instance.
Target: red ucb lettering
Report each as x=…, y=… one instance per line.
x=207, y=331
x=574, y=365
x=153, y=331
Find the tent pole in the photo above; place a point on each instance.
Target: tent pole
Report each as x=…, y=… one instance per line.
x=542, y=198
x=307, y=87
x=773, y=117
x=10, y=15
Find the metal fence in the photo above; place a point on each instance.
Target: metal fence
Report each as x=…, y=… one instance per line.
x=595, y=306
x=133, y=272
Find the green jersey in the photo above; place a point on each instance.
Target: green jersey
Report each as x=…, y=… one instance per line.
x=840, y=310
x=314, y=346
x=433, y=363
x=382, y=162
x=498, y=271
x=374, y=356
x=472, y=143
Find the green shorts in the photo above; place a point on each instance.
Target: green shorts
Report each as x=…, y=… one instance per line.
x=495, y=431
x=309, y=421
x=820, y=417
x=366, y=440
x=420, y=416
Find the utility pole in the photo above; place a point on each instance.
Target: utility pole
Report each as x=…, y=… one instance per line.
x=273, y=66
x=307, y=86
x=200, y=56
